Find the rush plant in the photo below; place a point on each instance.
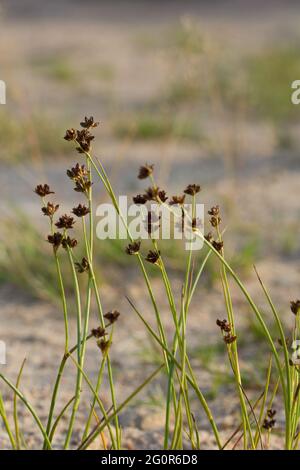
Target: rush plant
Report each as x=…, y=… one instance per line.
x=183, y=394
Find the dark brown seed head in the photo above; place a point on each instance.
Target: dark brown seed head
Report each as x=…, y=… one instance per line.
x=69, y=242
x=271, y=413
x=70, y=134
x=50, y=209
x=229, y=338
x=84, y=136
x=269, y=424
x=215, y=221
x=162, y=196
x=55, y=239
x=104, y=345
x=151, y=193
x=98, y=332
x=89, y=122
x=140, y=199
x=82, y=186
x=43, y=190
x=153, y=257
x=209, y=237
x=177, y=200
x=65, y=221
x=295, y=306
x=192, y=189
x=81, y=210
x=112, y=316
x=215, y=210
x=83, y=266
x=218, y=246
x=145, y=171
x=224, y=325
x=215, y=216
x=133, y=248
x=78, y=172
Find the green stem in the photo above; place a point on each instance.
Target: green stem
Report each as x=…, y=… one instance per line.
x=29, y=407
x=99, y=428
x=81, y=347
x=6, y=424
x=191, y=379
x=16, y=421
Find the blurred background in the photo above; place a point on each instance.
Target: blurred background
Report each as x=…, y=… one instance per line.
x=202, y=90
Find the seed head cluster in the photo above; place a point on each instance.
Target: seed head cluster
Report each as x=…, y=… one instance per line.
x=226, y=330
x=269, y=421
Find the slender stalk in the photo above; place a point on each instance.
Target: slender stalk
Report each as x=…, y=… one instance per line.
x=60, y=373
x=66, y=325
x=92, y=282
x=263, y=404
x=288, y=396
x=99, y=428
x=62, y=291
x=6, y=424
x=191, y=379
x=105, y=180
x=99, y=402
x=261, y=322
x=29, y=407
x=97, y=388
x=59, y=417
x=15, y=413
x=80, y=348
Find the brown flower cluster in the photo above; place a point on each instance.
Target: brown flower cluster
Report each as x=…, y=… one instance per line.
x=218, y=245
x=65, y=222
x=295, y=306
x=153, y=257
x=112, y=316
x=177, y=200
x=140, y=199
x=82, y=137
x=56, y=239
x=226, y=330
x=50, y=209
x=154, y=193
x=77, y=172
x=80, y=175
x=69, y=242
x=81, y=210
x=98, y=332
x=83, y=266
x=269, y=422
x=133, y=248
x=192, y=189
x=215, y=216
x=104, y=345
x=145, y=171
x=43, y=190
